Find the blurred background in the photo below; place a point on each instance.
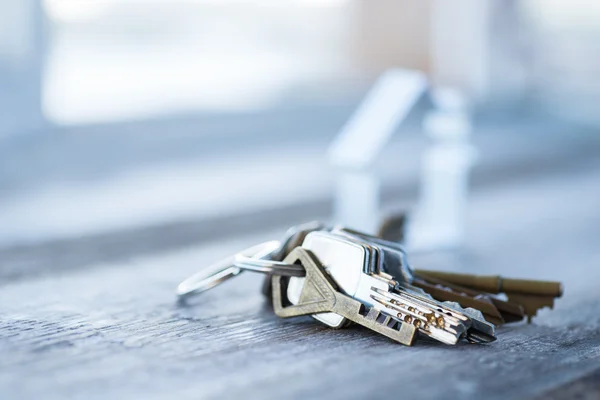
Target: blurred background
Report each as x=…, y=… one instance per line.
x=135, y=126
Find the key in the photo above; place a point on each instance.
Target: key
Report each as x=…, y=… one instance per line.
x=439, y=320
x=531, y=295
x=402, y=269
x=444, y=293
x=494, y=310
x=346, y=261
x=395, y=262
x=498, y=284
x=480, y=331
x=320, y=295
x=433, y=322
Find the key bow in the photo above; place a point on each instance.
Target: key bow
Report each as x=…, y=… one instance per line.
x=318, y=293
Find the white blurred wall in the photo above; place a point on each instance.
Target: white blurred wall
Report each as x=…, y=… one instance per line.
x=110, y=60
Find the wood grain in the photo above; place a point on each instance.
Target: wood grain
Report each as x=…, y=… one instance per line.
x=115, y=332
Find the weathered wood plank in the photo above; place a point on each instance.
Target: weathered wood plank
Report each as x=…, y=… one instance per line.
x=115, y=332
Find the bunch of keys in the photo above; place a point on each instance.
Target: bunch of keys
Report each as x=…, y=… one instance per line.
x=357, y=266
x=340, y=277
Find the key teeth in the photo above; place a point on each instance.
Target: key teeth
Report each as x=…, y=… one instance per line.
x=383, y=319
x=372, y=314
x=364, y=310
x=394, y=324
x=449, y=335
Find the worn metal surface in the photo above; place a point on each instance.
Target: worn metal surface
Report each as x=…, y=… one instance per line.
x=115, y=332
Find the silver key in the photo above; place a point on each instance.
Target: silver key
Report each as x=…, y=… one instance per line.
x=430, y=321
x=395, y=262
x=480, y=331
x=435, y=315
x=352, y=265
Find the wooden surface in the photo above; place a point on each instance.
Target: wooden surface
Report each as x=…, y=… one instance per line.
x=113, y=331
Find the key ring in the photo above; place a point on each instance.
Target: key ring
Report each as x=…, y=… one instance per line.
x=255, y=258
x=268, y=266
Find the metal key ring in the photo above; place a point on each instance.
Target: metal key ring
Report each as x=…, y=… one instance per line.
x=223, y=270
x=268, y=266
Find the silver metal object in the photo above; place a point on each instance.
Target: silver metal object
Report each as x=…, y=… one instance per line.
x=394, y=261
x=396, y=265
x=268, y=266
x=445, y=321
x=264, y=258
x=431, y=321
x=357, y=268
x=223, y=270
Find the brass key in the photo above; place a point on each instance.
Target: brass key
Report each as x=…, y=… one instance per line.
x=494, y=310
x=320, y=295
x=530, y=294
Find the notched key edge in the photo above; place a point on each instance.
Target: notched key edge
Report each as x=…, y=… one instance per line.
x=385, y=325
x=320, y=295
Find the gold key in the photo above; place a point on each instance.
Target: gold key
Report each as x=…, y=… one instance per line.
x=494, y=310
x=531, y=295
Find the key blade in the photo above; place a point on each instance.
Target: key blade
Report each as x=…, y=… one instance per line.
x=386, y=325
x=473, y=318
x=426, y=302
x=443, y=328
x=444, y=293
x=443, y=336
